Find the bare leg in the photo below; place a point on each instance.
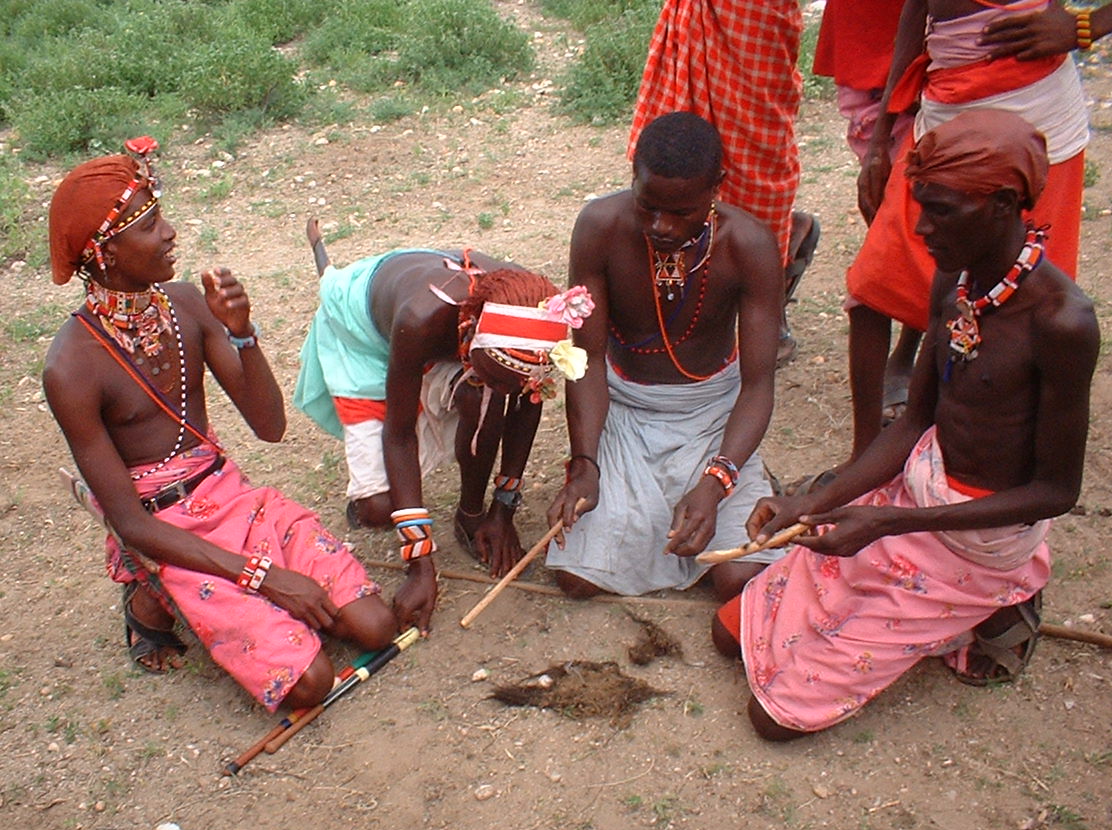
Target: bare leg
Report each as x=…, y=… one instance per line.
x=730, y=577
x=368, y=622
x=146, y=609
x=313, y=685
x=316, y=242
x=372, y=511
x=576, y=587
x=897, y=376
x=801, y=249
x=869, y=333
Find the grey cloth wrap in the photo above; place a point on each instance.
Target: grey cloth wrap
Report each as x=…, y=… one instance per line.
x=654, y=446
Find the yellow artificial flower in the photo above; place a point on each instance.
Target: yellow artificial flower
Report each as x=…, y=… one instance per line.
x=570, y=360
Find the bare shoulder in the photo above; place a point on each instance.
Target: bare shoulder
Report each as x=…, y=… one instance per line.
x=67, y=369
x=745, y=243
x=1064, y=322
x=605, y=213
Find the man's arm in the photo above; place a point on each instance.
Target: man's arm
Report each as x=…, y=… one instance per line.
x=243, y=373
x=877, y=165
x=588, y=399
x=1053, y=31
x=76, y=403
x=760, y=290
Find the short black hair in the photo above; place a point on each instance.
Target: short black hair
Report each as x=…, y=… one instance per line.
x=680, y=145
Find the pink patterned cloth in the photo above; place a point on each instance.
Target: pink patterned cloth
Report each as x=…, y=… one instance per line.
x=259, y=644
x=823, y=635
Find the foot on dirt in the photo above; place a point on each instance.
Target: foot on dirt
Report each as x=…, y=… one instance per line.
x=895, y=398
x=465, y=526
x=785, y=352
x=804, y=240
x=1002, y=645
x=810, y=484
x=152, y=644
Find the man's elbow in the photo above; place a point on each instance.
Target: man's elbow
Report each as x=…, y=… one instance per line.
x=273, y=430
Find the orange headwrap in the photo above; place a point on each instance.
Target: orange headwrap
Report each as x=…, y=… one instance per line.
x=982, y=151
x=80, y=205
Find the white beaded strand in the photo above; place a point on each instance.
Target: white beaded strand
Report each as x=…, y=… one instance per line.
x=181, y=367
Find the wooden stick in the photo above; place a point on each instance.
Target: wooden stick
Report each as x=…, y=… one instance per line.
x=400, y=644
x=713, y=557
x=1063, y=632
x=521, y=565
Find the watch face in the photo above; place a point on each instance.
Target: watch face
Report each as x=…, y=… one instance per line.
x=510, y=498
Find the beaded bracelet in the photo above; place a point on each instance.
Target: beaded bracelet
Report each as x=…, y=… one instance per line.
x=414, y=528
x=724, y=470
x=507, y=491
x=1084, y=29
x=248, y=342
x=254, y=572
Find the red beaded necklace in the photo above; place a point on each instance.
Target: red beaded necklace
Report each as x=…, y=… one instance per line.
x=965, y=331
x=654, y=273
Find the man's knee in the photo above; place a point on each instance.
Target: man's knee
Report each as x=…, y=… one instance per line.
x=367, y=621
x=724, y=640
x=371, y=511
x=313, y=685
x=576, y=587
x=766, y=727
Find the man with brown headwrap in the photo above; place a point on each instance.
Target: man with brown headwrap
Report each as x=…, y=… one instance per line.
x=932, y=542
x=254, y=574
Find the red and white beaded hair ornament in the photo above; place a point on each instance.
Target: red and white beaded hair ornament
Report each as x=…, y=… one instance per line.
x=533, y=342
x=141, y=148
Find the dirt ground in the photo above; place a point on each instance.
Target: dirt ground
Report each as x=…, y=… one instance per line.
x=87, y=741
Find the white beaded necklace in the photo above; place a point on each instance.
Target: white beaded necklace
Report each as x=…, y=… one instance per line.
x=181, y=368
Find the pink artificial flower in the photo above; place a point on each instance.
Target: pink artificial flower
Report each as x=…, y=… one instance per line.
x=571, y=307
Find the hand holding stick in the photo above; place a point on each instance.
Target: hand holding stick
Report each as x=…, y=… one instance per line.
x=714, y=557
x=516, y=570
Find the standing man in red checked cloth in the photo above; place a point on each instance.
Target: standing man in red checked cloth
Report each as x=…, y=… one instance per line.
x=733, y=62
x=254, y=574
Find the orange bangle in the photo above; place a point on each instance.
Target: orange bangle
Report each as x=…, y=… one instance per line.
x=1084, y=30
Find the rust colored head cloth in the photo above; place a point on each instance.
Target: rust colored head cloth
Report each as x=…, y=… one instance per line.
x=980, y=152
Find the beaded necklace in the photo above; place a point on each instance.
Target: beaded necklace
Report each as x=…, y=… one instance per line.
x=965, y=331
x=131, y=318
x=670, y=270
x=642, y=346
x=704, y=264
x=149, y=313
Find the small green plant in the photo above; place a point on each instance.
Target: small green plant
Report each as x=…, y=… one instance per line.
x=114, y=685
x=1067, y=818
x=219, y=190
x=206, y=239
x=385, y=110
x=633, y=802
x=1092, y=173
x=865, y=736
x=485, y=220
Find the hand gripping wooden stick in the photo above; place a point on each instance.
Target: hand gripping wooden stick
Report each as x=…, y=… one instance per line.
x=713, y=557
x=516, y=570
x=400, y=644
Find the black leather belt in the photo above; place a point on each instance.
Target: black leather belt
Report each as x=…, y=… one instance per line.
x=173, y=493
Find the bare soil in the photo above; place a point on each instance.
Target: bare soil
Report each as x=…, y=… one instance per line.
x=87, y=741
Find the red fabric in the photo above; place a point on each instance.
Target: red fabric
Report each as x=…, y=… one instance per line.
x=733, y=62
x=358, y=410
x=79, y=207
x=510, y=325
x=856, y=41
x=893, y=271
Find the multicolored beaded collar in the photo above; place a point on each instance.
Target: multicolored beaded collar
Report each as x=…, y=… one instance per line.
x=671, y=270
x=131, y=319
x=965, y=332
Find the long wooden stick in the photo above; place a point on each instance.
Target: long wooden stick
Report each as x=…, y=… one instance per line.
x=521, y=565
x=400, y=644
x=713, y=557
x=1063, y=632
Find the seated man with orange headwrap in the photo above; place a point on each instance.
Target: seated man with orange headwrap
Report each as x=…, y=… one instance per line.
x=416, y=351
x=932, y=542
x=254, y=574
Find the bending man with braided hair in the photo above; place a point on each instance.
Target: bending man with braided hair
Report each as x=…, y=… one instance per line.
x=415, y=351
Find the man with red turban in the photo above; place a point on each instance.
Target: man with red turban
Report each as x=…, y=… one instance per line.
x=253, y=574
x=933, y=541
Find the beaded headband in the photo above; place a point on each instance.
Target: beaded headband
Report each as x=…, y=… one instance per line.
x=141, y=147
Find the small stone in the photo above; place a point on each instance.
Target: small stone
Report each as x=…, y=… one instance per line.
x=821, y=791
x=483, y=792
x=99, y=806
x=53, y=746
x=167, y=825
x=1087, y=618
x=544, y=681
x=479, y=675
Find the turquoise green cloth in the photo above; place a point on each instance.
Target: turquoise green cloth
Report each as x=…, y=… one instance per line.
x=344, y=354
